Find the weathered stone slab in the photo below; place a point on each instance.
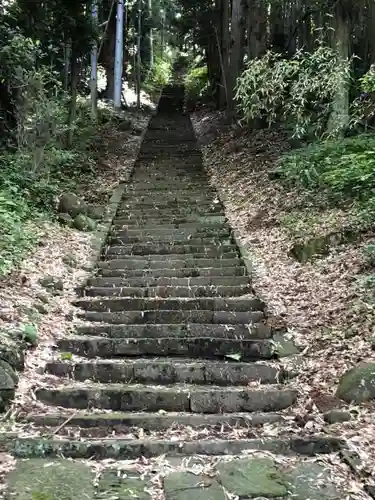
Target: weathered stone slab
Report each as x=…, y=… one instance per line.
x=192, y=272
x=312, y=481
x=253, y=477
x=246, y=349
x=221, y=401
x=185, y=486
x=115, y=485
x=40, y=479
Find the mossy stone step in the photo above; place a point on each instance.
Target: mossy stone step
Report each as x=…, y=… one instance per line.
x=172, y=304
x=167, y=371
x=169, y=291
x=133, y=449
x=185, y=330
x=165, y=185
x=207, y=251
x=185, y=398
x=160, y=239
x=165, y=256
x=39, y=479
x=151, y=421
x=173, y=317
x=194, y=347
x=176, y=212
x=168, y=205
x=192, y=272
x=174, y=234
x=131, y=263
x=213, y=281
x=210, y=224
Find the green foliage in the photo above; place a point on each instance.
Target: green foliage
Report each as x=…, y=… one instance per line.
x=344, y=169
x=299, y=92
x=158, y=75
x=196, y=82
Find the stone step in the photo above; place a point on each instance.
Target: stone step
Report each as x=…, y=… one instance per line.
x=184, y=331
x=173, y=317
x=192, y=347
x=199, y=223
x=169, y=291
x=121, y=421
x=171, y=251
x=159, y=225
x=165, y=185
x=172, y=193
x=170, y=240
x=213, y=281
x=165, y=212
x=174, y=273
x=125, y=448
x=161, y=204
x=184, y=398
x=132, y=263
x=161, y=372
x=172, y=304
x=173, y=234
x=171, y=257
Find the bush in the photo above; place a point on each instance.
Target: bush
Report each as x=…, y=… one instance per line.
x=158, y=76
x=196, y=83
x=344, y=169
x=299, y=91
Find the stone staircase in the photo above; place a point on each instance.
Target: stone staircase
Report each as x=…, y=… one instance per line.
x=170, y=333
x=172, y=354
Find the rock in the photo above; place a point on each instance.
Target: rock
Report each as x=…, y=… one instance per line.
x=69, y=260
x=252, y=478
x=13, y=351
x=41, y=308
x=65, y=219
x=337, y=416
x=52, y=283
x=124, y=125
x=69, y=203
x=42, y=479
x=312, y=481
x=7, y=368
x=95, y=211
x=122, y=486
x=284, y=347
x=7, y=384
x=84, y=223
x=185, y=485
x=358, y=384
x=43, y=298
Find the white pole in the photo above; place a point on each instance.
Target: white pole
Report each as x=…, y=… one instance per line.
x=118, y=53
x=139, y=61
x=94, y=67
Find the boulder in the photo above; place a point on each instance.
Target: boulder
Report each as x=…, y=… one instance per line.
x=69, y=203
x=7, y=384
x=84, y=223
x=52, y=283
x=357, y=385
x=65, y=219
x=95, y=211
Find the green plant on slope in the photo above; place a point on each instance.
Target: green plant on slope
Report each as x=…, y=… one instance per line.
x=299, y=92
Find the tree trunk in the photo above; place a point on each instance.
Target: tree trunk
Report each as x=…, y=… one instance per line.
x=223, y=36
x=339, y=118
x=371, y=33
x=237, y=37
x=278, y=38
x=75, y=70
x=256, y=29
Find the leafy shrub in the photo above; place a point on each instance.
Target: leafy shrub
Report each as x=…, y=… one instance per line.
x=196, y=83
x=159, y=75
x=344, y=169
x=299, y=92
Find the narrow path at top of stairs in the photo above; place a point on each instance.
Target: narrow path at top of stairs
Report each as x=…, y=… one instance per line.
x=174, y=354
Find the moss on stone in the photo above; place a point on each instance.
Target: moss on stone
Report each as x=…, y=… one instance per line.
x=358, y=384
x=39, y=479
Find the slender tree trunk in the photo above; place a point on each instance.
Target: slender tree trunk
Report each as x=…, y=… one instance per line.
x=278, y=38
x=339, y=118
x=75, y=71
x=237, y=37
x=371, y=32
x=224, y=39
